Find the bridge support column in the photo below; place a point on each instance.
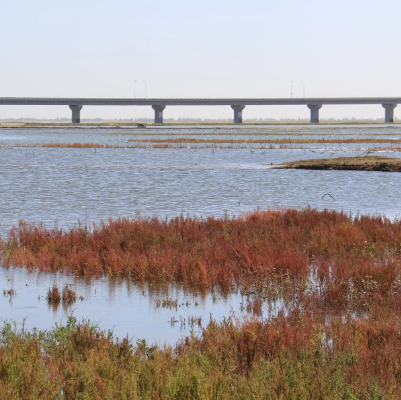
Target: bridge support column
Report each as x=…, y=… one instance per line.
x=76, y=114
x=238, y=113
x=314, y=112
x=389, y=112
x=158, y=113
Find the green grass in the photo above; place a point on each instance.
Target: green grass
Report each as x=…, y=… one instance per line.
x=285, y=358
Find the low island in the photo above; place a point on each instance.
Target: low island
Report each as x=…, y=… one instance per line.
x=360, y=163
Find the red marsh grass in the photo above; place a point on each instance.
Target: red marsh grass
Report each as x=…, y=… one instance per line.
x=68, y=295
x=70, y=145
x=278, y=141
x=354, y=262
x=253, y=147
x=74, y=145
x=206, y=145
x=55, y=296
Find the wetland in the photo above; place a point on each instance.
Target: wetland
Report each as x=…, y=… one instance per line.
x=197, y=269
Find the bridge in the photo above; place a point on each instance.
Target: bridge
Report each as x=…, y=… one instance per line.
x=159, y=104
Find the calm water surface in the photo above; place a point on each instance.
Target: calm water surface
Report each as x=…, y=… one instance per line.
x=61, y=186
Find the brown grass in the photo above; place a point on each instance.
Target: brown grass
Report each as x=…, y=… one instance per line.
x=363, y=163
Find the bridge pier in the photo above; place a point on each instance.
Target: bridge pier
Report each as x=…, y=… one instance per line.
x=389, y=112
x=76, y=114
x=238, y=113
x=314, y=112
x=158, y=113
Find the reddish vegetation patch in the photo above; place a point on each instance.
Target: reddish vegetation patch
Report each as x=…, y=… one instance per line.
x=74, y=145
x=53, y=295
x=284, y=140
x=354, y=261
x=69, y=296
x=71, y=145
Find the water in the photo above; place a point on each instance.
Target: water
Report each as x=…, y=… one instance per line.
x=61, y=186
x=126, y=309
x=129, y=136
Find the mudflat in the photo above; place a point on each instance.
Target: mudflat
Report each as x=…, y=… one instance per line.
x=362, y=163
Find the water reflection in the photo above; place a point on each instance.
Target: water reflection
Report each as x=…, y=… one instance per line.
x=118, y=304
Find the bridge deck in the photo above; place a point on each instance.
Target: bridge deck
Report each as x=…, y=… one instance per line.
x=195, y=102
x=237, y=104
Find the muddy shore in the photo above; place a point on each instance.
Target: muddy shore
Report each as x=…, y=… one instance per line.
x=362, y=163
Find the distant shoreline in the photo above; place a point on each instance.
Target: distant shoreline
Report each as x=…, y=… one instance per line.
x=178, y=124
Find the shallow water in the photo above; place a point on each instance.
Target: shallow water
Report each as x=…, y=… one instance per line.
x=60, y=186
x=125, y=308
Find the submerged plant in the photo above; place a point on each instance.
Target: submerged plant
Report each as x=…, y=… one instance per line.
x=69, y=296
x=9, y=292
x=53, y=295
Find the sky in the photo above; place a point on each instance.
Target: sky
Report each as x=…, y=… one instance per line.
x=207, y=48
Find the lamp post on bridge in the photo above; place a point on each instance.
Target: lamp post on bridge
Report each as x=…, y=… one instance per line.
x=146, y=90
x=134, y=89
x=291, y=87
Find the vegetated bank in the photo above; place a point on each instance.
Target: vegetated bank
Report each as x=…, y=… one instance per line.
x=288, y=357
x=336, y=277
x=361, y=163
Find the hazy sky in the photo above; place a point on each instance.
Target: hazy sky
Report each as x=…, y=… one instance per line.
x=207, y=48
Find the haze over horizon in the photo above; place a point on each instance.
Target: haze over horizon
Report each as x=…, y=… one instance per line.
x=199, y=49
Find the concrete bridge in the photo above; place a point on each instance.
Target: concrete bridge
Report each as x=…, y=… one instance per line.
x=238, y=105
